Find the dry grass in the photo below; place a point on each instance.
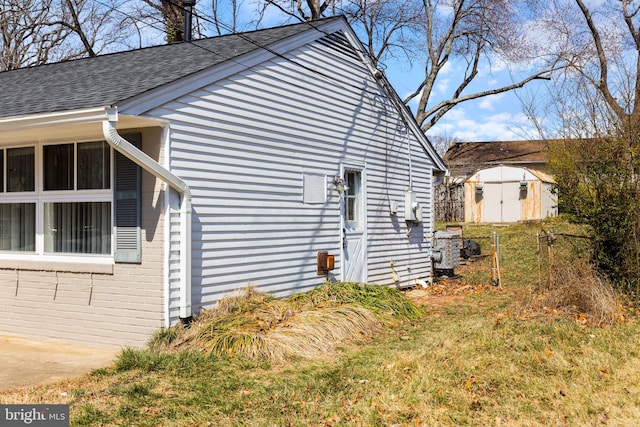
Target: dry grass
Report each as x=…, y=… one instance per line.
x=257, y=327
x=576, y=292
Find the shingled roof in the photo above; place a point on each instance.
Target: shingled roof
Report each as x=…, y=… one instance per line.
x=467, y=157
x=113, y=78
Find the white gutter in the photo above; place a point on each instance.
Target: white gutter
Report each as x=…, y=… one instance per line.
x=147, y=163
x=73, y=117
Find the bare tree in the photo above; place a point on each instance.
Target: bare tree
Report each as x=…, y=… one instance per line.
x=599, y=91
x=442, y=143
x=391, y=29
x=476, y=33
x=34, y=32
x=168, y=14
x=621, y=96
x=26, y=39
x=305, y=10
x=222, y=11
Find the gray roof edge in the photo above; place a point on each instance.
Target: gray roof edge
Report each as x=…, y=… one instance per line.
x=145, y=101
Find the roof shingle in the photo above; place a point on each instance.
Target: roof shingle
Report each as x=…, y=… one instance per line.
x=114, y=78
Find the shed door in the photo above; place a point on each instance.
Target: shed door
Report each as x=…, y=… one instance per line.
x=511, y=202
x=353, y=227
x=492, y=202
x=501, y=202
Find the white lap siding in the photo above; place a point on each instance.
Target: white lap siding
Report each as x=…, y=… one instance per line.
x=244, y=143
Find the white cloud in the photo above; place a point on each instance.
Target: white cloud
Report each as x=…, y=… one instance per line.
x=413, y=104
x=442, y=85
x=502, y=126
x=444, y=80
x=488, y=102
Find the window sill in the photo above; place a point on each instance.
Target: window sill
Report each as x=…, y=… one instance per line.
x=96, y=266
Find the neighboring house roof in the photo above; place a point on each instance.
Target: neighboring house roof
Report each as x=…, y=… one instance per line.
x=466, y=157
x=113, y=78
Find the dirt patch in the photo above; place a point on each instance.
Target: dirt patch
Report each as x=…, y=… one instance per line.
x=445, y=292
x=25, y=362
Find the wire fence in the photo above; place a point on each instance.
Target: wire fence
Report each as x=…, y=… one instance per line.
x=545, y=242
x=546, y=247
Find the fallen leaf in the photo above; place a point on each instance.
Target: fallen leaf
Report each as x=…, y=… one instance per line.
x=470, y=381
x=582, y=319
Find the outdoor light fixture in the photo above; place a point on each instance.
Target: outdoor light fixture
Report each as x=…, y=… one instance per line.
x=339, y=184
x=523, y=183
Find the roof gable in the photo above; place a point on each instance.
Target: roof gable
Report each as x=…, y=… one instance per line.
x=114, y=78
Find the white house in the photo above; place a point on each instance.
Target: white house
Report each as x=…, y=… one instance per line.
x=141, y=186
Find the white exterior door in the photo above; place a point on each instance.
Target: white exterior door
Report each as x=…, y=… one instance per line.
x=353, y=226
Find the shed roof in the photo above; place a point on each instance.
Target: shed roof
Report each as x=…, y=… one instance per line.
x=510, y=174
x=113, y=78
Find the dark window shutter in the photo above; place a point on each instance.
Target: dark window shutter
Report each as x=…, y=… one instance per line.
x=127, y=197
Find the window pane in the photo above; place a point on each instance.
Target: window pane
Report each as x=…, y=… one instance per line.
x=20, y=169
x=93, y=165
x=351, y=181
x=351, y=209
x=83, y=227
x=17, y=226
x=58, y=167
x=353, y=200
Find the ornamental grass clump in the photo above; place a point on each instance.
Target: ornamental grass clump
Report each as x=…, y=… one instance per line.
x=258, y=327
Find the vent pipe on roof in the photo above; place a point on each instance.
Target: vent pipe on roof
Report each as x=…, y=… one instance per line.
x=187, y=6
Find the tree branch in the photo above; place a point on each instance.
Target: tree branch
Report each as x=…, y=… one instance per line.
x=436, y=112
x=603, y=83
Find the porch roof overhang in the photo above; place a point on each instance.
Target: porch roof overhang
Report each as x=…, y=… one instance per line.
x=85, y=122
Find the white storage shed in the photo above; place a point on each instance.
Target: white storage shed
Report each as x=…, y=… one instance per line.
x=505, y=194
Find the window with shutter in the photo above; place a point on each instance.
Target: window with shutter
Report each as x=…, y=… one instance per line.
x=64, y=207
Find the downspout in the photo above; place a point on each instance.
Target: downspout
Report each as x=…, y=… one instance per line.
x=115, y=140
